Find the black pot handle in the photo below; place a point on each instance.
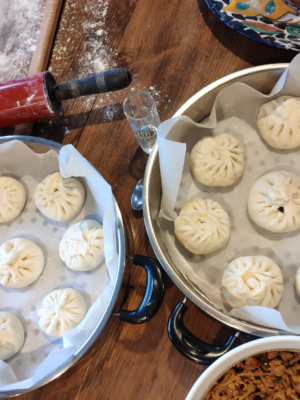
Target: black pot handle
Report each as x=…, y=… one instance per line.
x=154, y=292
x=189, y=345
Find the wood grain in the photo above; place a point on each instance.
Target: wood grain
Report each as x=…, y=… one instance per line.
x=177, y=47
x=44, y=41
x=41, y=55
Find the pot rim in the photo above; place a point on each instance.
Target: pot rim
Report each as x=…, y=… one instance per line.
x=184, y=285
x=120, y=238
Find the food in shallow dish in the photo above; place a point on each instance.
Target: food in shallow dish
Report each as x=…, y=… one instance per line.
x=279, y=122
x=202, y=226
x=82, y=246
x=252, y=281
x=11, y=335
x=63, y=310
x=12, y=198
x=218, y=160
x=58, y=198
x=274, y=202
x=273, y=375
x=21, y=263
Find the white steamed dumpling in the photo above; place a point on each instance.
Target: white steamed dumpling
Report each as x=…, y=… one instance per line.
x=279, y=122
x=58, y=198
x=63, y=310
x=21, y=262
x=252, y=281
x=12, y=198
x=11, y=335
x=82, y=246
x=274, y=202
x=218, y=160
x=202, y=226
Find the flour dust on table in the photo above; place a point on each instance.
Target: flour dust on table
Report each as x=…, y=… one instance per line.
x=19, y=28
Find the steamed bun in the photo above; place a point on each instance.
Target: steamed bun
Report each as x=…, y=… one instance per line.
x=12, y=198
x=252, y=281
x=82, y=246
x=11, y=335
x=279, y=122
x=58, y=198
x=63, y=310
x=21, y=262
x=202, y=226
x=218, y=160
x=274, y=202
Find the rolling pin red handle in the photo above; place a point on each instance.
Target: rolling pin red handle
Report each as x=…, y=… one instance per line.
x=103, y=82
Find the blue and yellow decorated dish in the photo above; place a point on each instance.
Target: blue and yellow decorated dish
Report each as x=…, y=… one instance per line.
x=274, y=22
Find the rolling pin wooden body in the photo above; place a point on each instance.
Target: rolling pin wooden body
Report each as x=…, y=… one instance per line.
x=38, y=96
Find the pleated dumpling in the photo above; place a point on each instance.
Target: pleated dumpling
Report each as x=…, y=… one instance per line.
x=63, y=310
x=82, y=246
x=58, y=198
x=12, y=198
x=252, y=281
x=21, y=263
x=218, y=160
x=11, y=335
x=279, y=122
x=274, y=202
x=202, y=226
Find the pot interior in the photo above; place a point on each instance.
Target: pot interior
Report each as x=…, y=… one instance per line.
x=198, y=108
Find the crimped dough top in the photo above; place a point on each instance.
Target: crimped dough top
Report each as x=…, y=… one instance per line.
x=58, y=198
x=202, y=226
x=218, y=160
x=274, y=202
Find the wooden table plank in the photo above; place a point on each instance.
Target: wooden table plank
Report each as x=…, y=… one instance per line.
x=176, y=47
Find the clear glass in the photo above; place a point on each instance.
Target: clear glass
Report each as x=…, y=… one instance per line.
x=141, y=113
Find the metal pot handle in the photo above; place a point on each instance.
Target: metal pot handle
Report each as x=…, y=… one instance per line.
x=189, y=345
x=154, y=292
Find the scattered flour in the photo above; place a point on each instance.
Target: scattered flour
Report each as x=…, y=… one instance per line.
x=99, y=64
x=19, y=24
x=109, y=112
x=90, y=44
x=30, y=98
x=98, y=54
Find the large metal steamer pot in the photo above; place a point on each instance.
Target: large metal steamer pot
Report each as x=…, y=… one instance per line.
x=263, y=79
x=154, y=291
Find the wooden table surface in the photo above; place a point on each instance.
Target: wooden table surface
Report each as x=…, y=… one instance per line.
x=175, y=47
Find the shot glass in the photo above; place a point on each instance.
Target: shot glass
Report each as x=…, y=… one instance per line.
x=141, y=113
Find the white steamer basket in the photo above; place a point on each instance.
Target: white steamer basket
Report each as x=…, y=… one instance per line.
x=219, y=368
x=154, y=291
x=198, y=107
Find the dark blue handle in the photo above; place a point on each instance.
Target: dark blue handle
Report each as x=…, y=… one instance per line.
x=189, y=345
x=154, y=292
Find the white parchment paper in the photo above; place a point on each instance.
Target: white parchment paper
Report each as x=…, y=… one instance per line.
x=41, y=354
x=235, y=111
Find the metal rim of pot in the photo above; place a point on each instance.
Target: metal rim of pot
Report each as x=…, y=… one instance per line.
x=198, y=107
x=154, y=291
